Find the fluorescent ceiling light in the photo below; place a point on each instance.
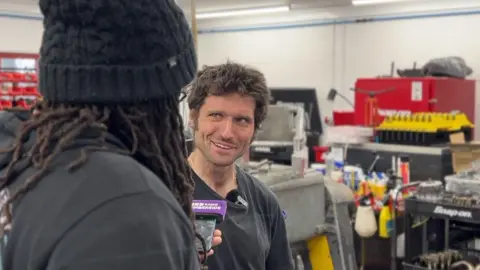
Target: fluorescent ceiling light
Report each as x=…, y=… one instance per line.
x=242, y=12
x=375, y=2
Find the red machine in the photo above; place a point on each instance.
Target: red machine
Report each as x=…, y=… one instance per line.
x=411, y=95
x=372, y=112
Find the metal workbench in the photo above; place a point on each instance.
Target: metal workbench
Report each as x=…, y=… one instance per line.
x=425, y=162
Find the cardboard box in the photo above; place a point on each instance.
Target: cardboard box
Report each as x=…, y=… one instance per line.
x=463, y=153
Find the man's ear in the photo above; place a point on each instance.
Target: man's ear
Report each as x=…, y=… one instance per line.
x=192, y=118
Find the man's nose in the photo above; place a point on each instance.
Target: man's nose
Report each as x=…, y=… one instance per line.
x=227, y=130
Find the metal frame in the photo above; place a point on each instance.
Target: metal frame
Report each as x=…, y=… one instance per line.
x=299, y=157
x=12, y=55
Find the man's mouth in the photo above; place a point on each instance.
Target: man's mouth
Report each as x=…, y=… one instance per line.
x=222, y=146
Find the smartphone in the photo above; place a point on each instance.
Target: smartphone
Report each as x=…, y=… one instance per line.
x=208, y=214
x=205, y=227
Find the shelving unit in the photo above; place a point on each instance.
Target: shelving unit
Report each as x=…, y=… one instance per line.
x=443, y=211
x=18, y=89
x=18, y=81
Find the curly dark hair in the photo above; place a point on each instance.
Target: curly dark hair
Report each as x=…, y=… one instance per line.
x=227, y=79
x=161, y=148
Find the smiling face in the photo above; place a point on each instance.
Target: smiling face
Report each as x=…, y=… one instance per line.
x=224, y=128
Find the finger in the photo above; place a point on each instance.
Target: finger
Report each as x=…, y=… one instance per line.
x=217, y=233
x=216, y=241
x=210, y=253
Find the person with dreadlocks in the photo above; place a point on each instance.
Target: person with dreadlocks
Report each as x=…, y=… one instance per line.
x=228, y=103
x=98, y=178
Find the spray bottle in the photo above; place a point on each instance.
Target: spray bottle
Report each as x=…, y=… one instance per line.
x=365, y=221
x=385, y=219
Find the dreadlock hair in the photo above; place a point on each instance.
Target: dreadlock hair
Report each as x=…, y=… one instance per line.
x=161, y=148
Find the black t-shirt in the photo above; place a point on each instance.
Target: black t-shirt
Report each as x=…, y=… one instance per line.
x=254, y=236
x=111, y=213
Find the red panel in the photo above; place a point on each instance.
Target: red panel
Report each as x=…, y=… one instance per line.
x=455, y=95
x=10, y=55
x=408, y=95
x=18, y=55
x=341, y=118
x=450, y=94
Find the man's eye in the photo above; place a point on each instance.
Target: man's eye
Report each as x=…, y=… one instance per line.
x=215, y=115
x=243, y=121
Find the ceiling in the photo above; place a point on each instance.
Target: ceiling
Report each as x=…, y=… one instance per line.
x=209, y=5
x=20, y=2
x=215, y=5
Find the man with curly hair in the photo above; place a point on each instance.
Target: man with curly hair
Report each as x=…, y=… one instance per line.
x=228, y=103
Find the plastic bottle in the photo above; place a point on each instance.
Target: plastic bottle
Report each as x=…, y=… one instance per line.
x=380, y=189
x=337, y=173
x=385, y=222
x=329, y=164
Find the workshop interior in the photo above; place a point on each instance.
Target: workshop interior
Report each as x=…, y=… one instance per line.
x=370, y=143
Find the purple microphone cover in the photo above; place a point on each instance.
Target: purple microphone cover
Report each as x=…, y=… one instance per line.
x=210, y=208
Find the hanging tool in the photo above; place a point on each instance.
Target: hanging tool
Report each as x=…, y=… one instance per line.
x=373, y=167
x=372, y=117
x=333, y=93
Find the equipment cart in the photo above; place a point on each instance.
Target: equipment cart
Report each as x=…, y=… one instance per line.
x=451, y=216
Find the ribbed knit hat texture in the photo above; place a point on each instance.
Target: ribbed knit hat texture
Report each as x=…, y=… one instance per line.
x=114, y=51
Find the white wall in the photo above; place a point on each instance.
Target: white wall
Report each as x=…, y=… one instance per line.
x=320, y=56
x=370, y=47
x=336, y=55
x=20, y=35
x=291, y=57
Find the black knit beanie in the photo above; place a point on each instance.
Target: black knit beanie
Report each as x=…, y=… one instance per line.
x=114, y=51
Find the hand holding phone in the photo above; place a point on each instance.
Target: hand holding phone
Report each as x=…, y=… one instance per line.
x=208, y=213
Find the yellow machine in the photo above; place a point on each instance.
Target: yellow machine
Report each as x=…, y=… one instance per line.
x=423, y=128
x=320, y=253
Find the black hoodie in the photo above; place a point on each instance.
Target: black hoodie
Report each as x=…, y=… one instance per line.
x=112, y=213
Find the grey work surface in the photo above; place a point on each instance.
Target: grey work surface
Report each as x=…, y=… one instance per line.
x=426, y=162
x=314, y=205
x=303, y=200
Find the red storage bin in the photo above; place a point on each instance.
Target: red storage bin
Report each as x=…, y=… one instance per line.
x=6, y=104
x=31, y=91
x=319, y=153
x=16, y=90
x=22, y=103
x=343, y=118
x=30, y=77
